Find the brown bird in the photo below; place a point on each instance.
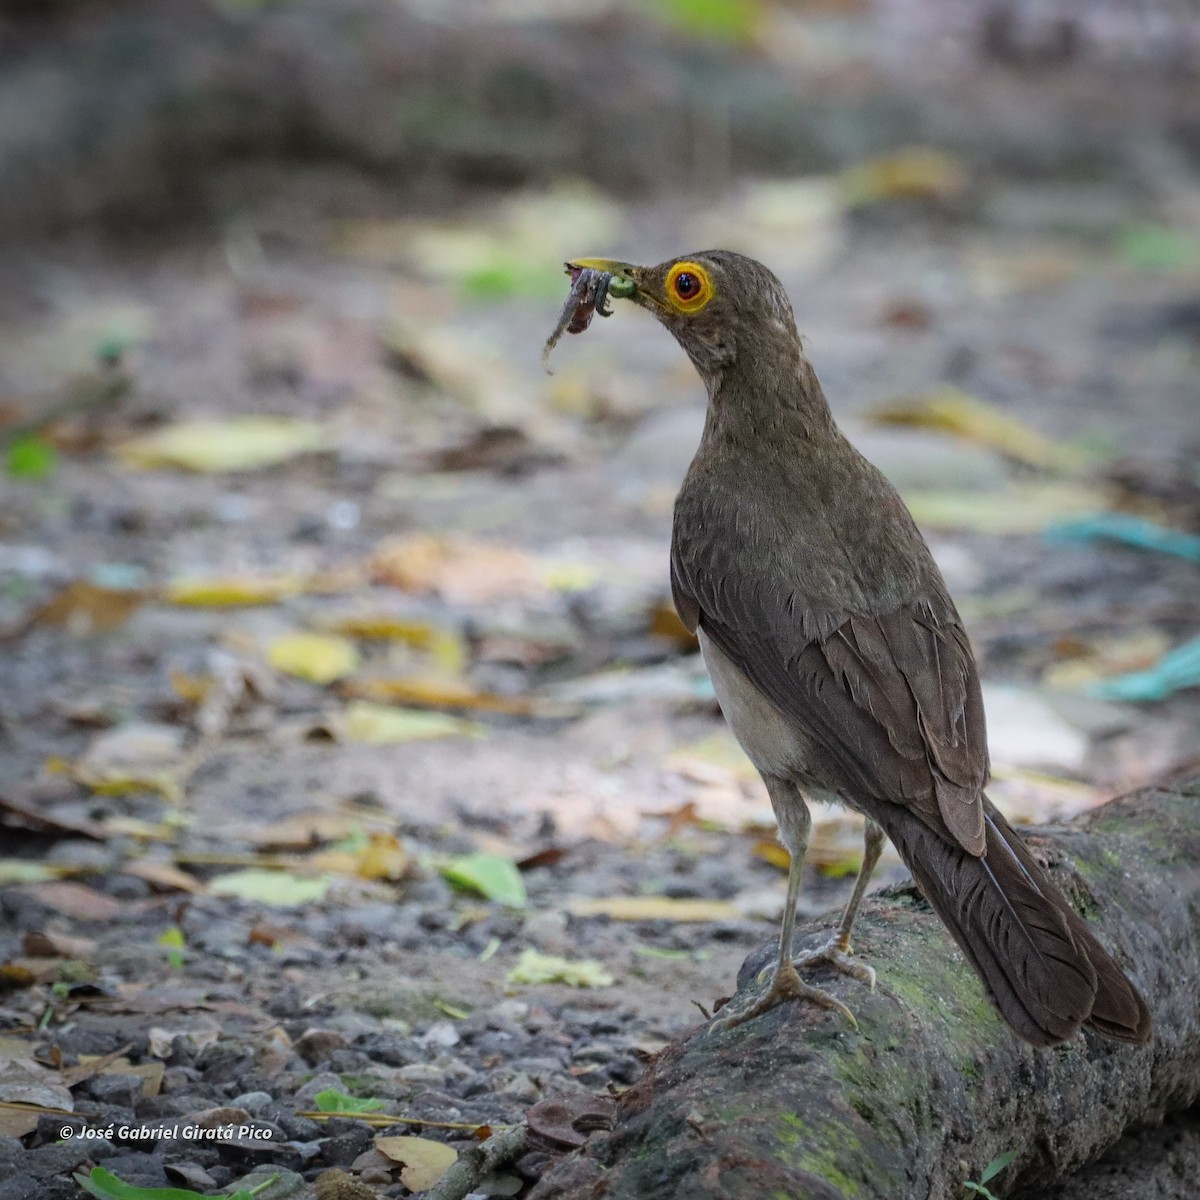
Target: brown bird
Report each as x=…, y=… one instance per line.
x=839, y=659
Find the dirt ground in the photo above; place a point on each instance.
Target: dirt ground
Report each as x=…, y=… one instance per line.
x=236, y=857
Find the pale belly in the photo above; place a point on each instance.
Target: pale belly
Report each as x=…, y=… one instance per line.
x=772, y=743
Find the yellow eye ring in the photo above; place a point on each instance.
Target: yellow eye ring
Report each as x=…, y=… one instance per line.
x=689, y=287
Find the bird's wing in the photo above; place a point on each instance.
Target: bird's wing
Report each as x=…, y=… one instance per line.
x=891, y=699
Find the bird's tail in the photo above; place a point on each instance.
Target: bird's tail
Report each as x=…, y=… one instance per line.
x=1042, y=966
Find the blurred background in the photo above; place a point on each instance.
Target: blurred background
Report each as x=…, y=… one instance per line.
x=320, y=599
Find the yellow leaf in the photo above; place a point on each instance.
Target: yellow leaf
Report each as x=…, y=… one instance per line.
x=1025, y=508
x=954, y=411
x=439, y=693
x=446, y=648
x=533, y=967
x=381, y=724
x=653, y=908
x=317, y=657
x=383, y=858
x=425, y=1161
x=233, y=592
x=773, y=853
x=912, y=173
x=236, y=444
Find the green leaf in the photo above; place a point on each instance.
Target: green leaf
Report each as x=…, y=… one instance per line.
x=271, y=887
x=721, y=20
x=31, y=457
x=986, y=1193
x=173, y=939
x=331, y=1100
x=1151, y=247
x=533, y=967
x=996, y=1166
x=106, y=1186
x=489, y=875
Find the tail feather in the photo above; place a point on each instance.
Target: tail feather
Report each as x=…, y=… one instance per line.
x=1119, y=1011
x=1044, y=969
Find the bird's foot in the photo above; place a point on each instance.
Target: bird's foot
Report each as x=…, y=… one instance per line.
x=836, y=954
x=786, y=985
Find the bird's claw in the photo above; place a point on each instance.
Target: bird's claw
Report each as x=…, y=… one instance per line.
x=786, y=985
x=836, y=954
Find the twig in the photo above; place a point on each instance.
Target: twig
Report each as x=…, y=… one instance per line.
x=473, y=1164
x=383, y=1120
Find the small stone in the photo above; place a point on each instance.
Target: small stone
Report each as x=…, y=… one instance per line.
x=522, y=1088
x=346, y=1147
x=253, y=1102
x=391, y=1050
x=124, y=1091
x=440, y=1033
x=138, y=1169
x=316, y=1045
x=422, y=1075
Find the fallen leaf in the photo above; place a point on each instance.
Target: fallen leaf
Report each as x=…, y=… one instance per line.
x=278, y=888
x=382, y=858
x=233, y=592
x=237, y=444
x=533, y=968
x=381, y=724
x=1022, y=508
x=425, y=1161
x=135, y=757
x=83, y=609
x=331, y=1100
x=490, y=875
x=25, y=815
x=75, y=900
x=460, y=570
x=300, y=831
x=665, y=623
x=23, y=870
x=955, y=411
x=912, y=173
x=1175, y=671
x=426, y=692
x=319, y=658
x=104, y=1185
x=652, y=908
x=47, y=943
x=163, y=877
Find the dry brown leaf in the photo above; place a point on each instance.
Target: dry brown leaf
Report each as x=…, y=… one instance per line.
x=26, y=816
x=164, y=877
x=425, y=1161
x=299, y=831
x=75, y=900
x=653, y=908
x=47, y=943
x=83, y=608
x=460, y=570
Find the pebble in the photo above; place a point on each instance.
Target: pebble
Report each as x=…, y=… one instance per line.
x=255, y=1103
x=122, y=1090
x=316, y=1045
x=440, y=1033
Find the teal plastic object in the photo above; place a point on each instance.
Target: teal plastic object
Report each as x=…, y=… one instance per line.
x=1176, y=670
x=1133, y=531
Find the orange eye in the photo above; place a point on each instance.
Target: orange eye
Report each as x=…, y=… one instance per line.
x=689, y=287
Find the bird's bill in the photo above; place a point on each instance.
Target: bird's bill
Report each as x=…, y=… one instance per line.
x=623, y=286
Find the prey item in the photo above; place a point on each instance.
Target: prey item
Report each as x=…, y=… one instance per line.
x=842, y=665
x=590, y=289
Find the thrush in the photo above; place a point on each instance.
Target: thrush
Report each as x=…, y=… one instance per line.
x=838, y=657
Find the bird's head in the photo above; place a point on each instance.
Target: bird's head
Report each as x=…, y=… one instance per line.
x=724, y=309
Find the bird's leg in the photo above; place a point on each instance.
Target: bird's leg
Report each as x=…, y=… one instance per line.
x=836, y=952
x=794, y=824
